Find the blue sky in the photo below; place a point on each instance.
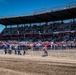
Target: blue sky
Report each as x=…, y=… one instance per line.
x=22, y=7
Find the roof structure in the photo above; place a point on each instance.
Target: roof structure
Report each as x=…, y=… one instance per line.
x=66, y=13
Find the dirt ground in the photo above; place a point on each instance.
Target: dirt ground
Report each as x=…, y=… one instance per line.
x=30, y=65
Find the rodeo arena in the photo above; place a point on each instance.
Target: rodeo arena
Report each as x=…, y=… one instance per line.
x=42, y=43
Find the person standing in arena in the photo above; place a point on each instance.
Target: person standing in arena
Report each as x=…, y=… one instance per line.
x=16, y=48
x=10, y=48
x=19, y=49
x=5, y=47
x=45, y=51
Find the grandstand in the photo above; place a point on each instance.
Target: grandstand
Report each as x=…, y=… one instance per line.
x=41, y=24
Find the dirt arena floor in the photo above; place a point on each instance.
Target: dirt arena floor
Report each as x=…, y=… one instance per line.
x=30, y=65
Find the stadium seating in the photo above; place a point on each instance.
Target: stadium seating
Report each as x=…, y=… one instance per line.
x=56, y=29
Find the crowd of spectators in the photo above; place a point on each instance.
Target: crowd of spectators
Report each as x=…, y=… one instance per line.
x=45, y=28
x=17, y=47
x=62, y=34
x=58, y=32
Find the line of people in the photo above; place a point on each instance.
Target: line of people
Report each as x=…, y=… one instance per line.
x=9, y=48
x=17, y=49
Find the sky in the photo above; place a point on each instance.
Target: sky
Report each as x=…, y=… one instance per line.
x=10, y=8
